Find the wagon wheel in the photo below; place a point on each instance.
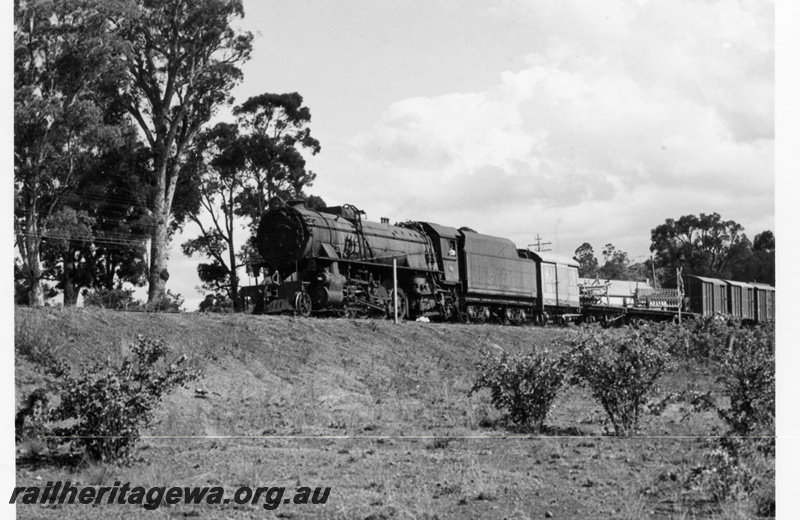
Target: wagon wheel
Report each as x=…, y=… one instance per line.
x=402, y=304
x=302, y=304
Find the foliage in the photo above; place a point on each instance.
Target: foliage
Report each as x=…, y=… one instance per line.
x=524, y=384
x=739, y=465
x=587, y=263
x=65, y=80
x=169, y=302
x=748, y=377
x=316, y=203
x=116, y=299
x=182, y=60
x=621, y=371
x=218, y=166
x=276, y=130
x=726, y=473
x=746, y=374
x=237, y=173
x=615, y=264
x=215, y=303
x=108, y=406
x=710, y=246
x=706, y=338
x=757, y=265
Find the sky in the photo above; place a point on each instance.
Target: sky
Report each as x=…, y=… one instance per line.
x=575, y=121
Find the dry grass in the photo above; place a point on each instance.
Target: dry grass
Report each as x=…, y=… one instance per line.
x=377, y=411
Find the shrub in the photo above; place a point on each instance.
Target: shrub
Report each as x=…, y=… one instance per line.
x=741, y=464
x=748, y=377
x=620, y=370
x=117, y=299
x=170, y=302
x=710, y=336
x=216, y=303
x=727, y=473
x=524, y=384
x=107, y=407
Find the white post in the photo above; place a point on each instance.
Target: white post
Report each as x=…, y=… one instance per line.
x=394, y=285
x=679, y=279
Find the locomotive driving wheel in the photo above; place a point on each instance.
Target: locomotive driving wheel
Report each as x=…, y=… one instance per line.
x=402, y=304
x=302, y=304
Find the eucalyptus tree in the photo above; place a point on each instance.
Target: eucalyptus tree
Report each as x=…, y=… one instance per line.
x=704, y=245
x=218, y=166
x=65, y=80
x=182, y=58
x=234, y=170
x=276, y=131
x=587, y=263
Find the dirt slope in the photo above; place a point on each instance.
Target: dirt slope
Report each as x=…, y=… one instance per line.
x=379, y=412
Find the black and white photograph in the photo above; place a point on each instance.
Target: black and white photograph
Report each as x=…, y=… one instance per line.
x=479, y=259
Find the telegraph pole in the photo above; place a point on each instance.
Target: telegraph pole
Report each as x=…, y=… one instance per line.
x=538, y=245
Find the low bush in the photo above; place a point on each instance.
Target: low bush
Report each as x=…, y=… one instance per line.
x=746, y=375
x=170, y=302
x=116, y=299
x=216, y=303
x=711, y=336
x=103, y=409
x=740, y=466
x=621, y=371
x=748, y=378
x=523, y=384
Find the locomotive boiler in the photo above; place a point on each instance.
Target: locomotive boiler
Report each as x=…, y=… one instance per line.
x=333, y=260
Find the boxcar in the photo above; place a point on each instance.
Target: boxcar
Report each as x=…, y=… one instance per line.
x=764, y=302
x=705, y=296
x=740, y=299
x=558, y=282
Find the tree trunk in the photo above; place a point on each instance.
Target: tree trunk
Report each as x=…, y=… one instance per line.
x=158, y=243
x=158, y=262
x=34, y=272
x=70, y=289
x=237, y=304
x=33, y=263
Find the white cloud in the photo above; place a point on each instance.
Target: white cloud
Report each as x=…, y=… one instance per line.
x=621, y=102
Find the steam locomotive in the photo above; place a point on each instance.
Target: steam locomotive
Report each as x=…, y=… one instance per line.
x=335, y=262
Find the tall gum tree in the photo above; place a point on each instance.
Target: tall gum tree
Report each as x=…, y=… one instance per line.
x=183, y=59
x=706, y=245
x=218, y=162
x=276, y=130
x=64, y=67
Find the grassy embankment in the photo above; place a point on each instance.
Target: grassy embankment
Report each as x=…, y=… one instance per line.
x=376, y=411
